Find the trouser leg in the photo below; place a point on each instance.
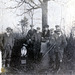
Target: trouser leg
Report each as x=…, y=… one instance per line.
x=57, y=61
x=9, y=58
x=4, y=58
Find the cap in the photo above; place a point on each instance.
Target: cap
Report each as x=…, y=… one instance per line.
x=46, y=26
x=31, y=25
x=57, y=26
x=38, y=28
x=51, y=29
x=8, y=29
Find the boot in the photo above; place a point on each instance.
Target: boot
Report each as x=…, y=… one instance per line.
x=4, y=61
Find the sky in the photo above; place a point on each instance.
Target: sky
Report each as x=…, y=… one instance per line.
x=61, y=12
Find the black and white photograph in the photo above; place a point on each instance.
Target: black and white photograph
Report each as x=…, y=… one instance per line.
x=37, y=37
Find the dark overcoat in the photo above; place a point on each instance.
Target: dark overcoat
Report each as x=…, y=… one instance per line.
x=30, y=34
x=8, y=40
x=46, y=34
x=30, y=43
x=37, y=42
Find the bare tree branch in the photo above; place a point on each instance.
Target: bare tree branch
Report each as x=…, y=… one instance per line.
x=34, y=3
x=19, y=5
x=28, y=3
x=40, y=1
x=18, y=1
x=28, y=10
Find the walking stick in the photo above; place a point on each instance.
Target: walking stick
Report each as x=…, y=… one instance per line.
x=49, y=49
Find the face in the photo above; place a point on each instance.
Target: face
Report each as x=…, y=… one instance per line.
x=52, y=32
x=32, y=27
x=38, y=31
x=46, y=28
x=59, y=33
x=8, y=32
x=24, y=47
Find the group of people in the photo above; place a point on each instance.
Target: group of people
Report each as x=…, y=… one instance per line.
x=54, y=39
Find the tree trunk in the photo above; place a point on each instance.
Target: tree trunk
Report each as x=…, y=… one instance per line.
x=44, y=13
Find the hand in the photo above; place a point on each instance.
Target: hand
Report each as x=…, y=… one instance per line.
x=29, y=39
x=47, y=41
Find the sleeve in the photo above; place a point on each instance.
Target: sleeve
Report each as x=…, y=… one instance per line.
x=64, y=42
x=28, y=35
x=13, y=39
x=33, y=37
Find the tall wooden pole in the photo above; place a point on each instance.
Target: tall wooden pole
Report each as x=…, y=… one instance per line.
x=44, y=13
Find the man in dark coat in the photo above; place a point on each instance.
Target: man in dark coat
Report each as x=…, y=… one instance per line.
x=30, y=42
x=37, y=43
x=8, y=43
x=46, y=32
x=59, y=49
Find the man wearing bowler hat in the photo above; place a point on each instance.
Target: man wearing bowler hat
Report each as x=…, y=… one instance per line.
x=29, y=41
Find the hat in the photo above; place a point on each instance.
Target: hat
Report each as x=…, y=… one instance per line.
x=31, y=25
x=57, y=26
x=46, y=26
x=38, y=28
x=51, y=29
x=8, y=29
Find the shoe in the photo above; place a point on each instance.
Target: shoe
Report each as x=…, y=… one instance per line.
x=4, y=65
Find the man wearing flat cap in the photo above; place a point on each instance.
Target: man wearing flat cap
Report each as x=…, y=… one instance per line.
x=8, y=43
x=50, y=44
x=37, y=43
x=59, y=49
x=46, y=32
x=30, y=42
x=57, y=27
